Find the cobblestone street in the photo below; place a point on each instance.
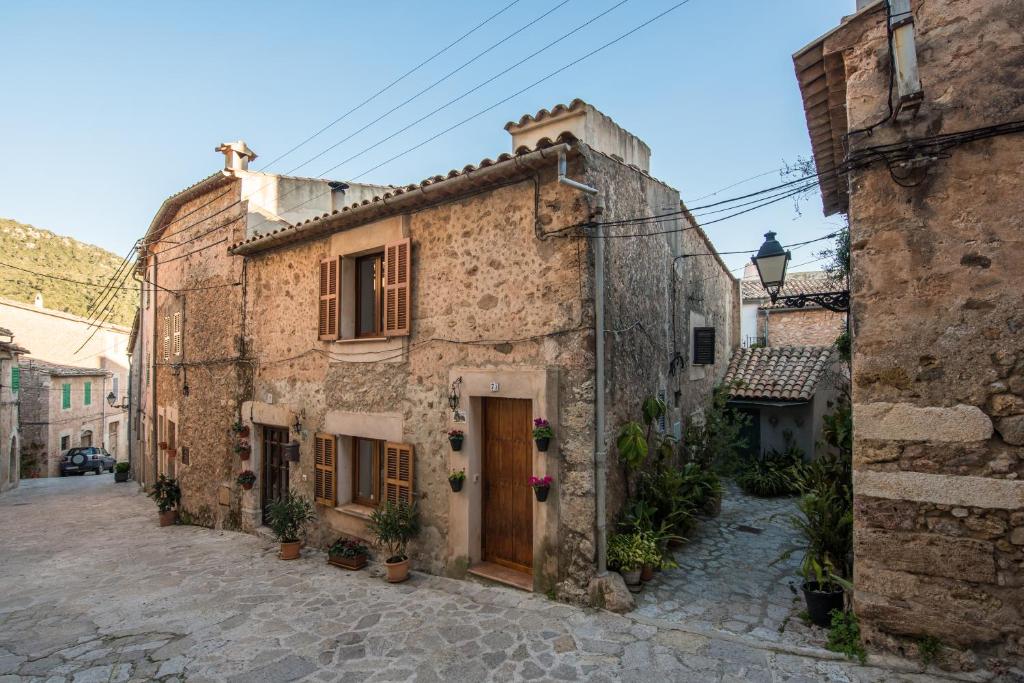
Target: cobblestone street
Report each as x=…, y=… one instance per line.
x=94, y=590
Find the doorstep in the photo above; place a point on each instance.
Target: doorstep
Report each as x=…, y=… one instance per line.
x=504, y=575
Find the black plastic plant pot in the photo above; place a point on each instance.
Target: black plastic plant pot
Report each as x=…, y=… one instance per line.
x=455, y=442
x=543, y=443
x=456, y=484
x=820, y=603
x=541, y=492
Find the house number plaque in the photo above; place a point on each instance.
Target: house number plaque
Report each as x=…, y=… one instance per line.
x=494, y=386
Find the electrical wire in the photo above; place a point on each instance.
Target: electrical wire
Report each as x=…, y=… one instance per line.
x=121, y=288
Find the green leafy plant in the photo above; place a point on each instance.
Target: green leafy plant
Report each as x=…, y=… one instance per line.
x=542, y=429
x=457, y=475
x=394, y=526
x=629, y=552
x=346, y=547
x=844, y=636
x=166, y=493
x=288, y=516
x=632, y=445
x=246, y=478
x=716, y=441
x=772, y=475
x=122, y=467
x=928, y=649
x=826, y=524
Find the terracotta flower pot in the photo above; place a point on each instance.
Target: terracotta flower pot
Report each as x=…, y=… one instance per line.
x=647, y=573
x=168, y=518
x=290, y=550
x=244, y=453
x=397, y=571
x=247, y=487
x=242, y=433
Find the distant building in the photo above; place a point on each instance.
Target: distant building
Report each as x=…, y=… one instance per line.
x=62, y=407
x=55, y=337
x=10, y=395
x=763, y=323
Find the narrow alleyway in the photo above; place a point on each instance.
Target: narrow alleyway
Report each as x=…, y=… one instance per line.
x=94, y=590
x=731, y=577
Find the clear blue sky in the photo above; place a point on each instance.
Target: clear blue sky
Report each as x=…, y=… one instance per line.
x=108, y=108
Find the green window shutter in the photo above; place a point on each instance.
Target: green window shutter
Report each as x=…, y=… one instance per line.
x=15, y=379
x=65, y=398
x=88, y=394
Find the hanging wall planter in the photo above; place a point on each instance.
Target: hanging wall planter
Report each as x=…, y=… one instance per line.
x=246, y=479
x=243, y=450
x=291, y=451
x=542, y=434
x=240, y=430
x=455, y=438
x=456, y=478
x=541, y=487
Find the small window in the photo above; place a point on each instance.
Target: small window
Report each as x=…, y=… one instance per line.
x=87, y=396
x=65, y=396
x=114, y=387
x=370, y=295
x=366, y=471
x=703, y=346
x=65, y=442
x=15, y=379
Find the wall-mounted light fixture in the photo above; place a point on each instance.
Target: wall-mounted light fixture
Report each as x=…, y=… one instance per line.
x=453, y=395
x=112, y=401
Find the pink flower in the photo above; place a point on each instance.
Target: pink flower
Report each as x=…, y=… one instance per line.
x=541, y=482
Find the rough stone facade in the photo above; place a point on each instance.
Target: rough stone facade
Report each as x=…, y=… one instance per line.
x=502, y=298
x=10, y=402
x=938, y=353
x=802, y=326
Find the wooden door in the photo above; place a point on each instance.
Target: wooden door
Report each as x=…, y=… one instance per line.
x=507, y=496
x=274, y=482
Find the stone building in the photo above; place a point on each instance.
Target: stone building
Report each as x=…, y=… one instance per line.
x=55, y=337
x=10, y=400
x=61, y=407
x=914, y=150
x=764, y=323
x=395, y=314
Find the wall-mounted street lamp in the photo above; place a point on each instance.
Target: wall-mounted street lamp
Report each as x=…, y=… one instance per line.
x=771, y=262
x=112, y=401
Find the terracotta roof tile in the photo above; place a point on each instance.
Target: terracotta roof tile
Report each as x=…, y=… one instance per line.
x=796, y=283
x=783, y=373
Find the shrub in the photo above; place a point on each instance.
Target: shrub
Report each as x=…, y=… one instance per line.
x=629, y=552
x=346, y=547
x=122, y=467
x=844, y=636
x=288, y=516
x=394, y=526
x=166, y=493
x=770, y=476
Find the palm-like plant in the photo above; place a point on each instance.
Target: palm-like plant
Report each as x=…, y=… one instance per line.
x=288, y=516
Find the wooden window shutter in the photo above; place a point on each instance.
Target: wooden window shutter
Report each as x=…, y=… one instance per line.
x=397, y=287
x=167, y=338
x=325, y=464
x=328, y=310
x=176, y=334
x=398, y=467
x=703, y=346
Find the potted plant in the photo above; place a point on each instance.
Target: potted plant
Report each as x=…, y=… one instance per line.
x=287, y=518
x=243, y=449
x=245, y=479
x=162, y=445
x=348, y=554
x=394, y=526
x=456, y=478
x=542, y=434
x=652, y=558
x=541, y=487
x=121, y=471
x=167, y=495
x=455, y=438
x=625, y=553
x=240, y=429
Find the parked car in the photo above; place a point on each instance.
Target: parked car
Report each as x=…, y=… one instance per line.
x=86, y=459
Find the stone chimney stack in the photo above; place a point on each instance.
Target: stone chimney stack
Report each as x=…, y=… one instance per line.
x=237, y=155
x=587, y=125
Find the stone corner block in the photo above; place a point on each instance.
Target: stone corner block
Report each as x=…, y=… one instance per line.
x=609, y=592
x=906, y=422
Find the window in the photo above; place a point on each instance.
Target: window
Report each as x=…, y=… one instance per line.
x=662, y=425
x=176, y=334
x=366, y=296
x=15, y=379
x=85, y=439
x=366, y=471
x=87, y=394
x=114, y=386
x=703, y=346
x=167, y=338
x=65, y=442
x=370, y=295
x=172, y=436
x=65, y=396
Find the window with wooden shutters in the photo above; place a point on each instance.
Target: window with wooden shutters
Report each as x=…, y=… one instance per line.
x=176, y=334
x=325, y=452
x=328, y=306
x=703, y=346
x=397, y=287
x=398, y=469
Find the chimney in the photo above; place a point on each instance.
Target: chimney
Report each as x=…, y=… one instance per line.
x=586, y=124
x=38, y=302
x=750, y=272
x=237, y=155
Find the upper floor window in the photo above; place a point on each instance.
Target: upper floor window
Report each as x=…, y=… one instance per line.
x=114, y=388
x=703, y=346
x=87, y=394
x=366, y=296
x=65, y=396
x=15, y=379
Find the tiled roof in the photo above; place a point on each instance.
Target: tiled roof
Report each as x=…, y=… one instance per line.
x=796, y=283
x=556, y=110
x=779, y=373
x=66, y=370
x=512, y=161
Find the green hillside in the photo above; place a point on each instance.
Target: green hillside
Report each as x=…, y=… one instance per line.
x=25, y=246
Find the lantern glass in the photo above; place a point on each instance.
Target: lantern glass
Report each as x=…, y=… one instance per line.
x=771, y=262
x=110, y=399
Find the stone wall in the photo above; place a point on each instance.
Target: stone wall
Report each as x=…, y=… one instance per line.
x=10, y=439
x=938, y=365
x=802, y=326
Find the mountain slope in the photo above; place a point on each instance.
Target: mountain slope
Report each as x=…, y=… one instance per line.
x=25, y=246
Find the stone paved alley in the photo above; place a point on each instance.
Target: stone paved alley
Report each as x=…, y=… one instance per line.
x=94, y=590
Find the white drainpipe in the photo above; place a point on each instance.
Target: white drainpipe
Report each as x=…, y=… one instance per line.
x=600, y=453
